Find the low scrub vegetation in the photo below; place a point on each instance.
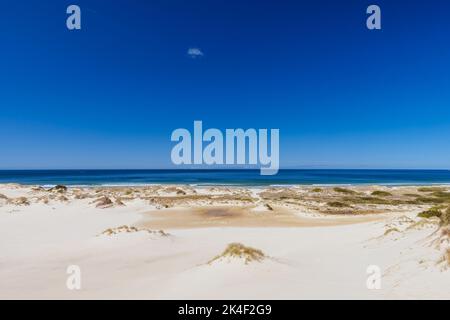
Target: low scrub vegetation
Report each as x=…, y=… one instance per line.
x=432, y=212
x=438, y=211
x=430, y=189
x=338, y=204
x=426, y=200
x=412, y=195
x=372, y=200
x=441, y=195
x=379, y=193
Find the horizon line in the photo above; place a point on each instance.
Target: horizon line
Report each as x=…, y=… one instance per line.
x=215, y=169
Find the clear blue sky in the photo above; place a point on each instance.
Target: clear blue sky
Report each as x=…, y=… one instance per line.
x=109, y=95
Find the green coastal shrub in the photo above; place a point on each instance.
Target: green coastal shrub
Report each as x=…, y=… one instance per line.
x=432, y=212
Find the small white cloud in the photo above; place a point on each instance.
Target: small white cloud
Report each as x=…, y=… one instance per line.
x=195, y=52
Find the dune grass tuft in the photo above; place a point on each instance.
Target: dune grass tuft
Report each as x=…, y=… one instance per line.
x=103, y=202
x=391, y=230
x=238, y=250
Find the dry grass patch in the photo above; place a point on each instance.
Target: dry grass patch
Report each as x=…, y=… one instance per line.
x=411, y=195
x=119, y=202
x=423, y=224
x=445, y=217
x=445, y=232
x=63, y=199
x=121, y=229
x=391, y=230
x=426, y=200
x=58, y=188
x=279, y=194
x=239, y=251
x=176, y=190
x=445, y=259
x=128, y=229
x=338, y=204
x=103, y=202
x=81, y=196
x=21, y=201
x=43, y=199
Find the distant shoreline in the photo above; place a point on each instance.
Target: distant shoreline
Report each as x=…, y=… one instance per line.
x=227, y=177
x=130, y=185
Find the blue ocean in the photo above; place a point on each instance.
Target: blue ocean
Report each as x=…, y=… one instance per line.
x=223, y=177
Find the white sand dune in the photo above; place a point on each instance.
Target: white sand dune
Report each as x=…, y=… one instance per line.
x=327, y=261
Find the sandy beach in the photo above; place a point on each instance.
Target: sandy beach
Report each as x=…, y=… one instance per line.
x=184, y=242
